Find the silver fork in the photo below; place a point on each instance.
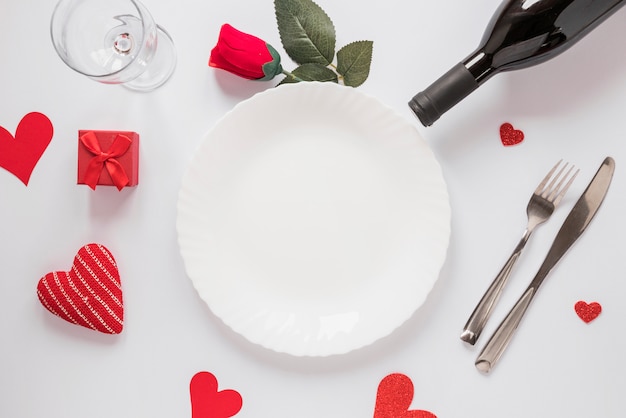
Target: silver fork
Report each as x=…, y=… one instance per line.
x=540, y=207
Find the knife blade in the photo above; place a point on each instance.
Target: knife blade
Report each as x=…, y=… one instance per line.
x=574, y=225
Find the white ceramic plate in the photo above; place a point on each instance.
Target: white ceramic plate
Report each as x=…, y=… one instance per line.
x=313, y=220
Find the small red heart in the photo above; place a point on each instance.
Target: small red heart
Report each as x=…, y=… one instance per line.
x=20, y=154
x=587, y=311
x=509, y=135
x=394, y=397
x=208, y=402
x=90, y=294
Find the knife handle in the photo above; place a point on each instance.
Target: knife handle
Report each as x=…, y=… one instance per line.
x=500, y=339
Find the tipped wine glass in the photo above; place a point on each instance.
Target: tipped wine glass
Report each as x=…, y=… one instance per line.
x=113, y=42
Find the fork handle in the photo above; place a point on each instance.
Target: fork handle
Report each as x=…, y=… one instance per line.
x=482, y=311
x=501, y=338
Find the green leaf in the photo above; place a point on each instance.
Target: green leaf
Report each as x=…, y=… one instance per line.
x=353, y=62
x=311, y=72
x=306, y=31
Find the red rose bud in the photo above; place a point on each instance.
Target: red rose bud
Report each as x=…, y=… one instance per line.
x=245, y=55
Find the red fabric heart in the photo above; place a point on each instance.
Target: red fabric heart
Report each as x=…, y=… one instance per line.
x=20, y=154
x=587, y=311
x=208, y=402
x=394, y=397
x=509, y=135
x=90, y=294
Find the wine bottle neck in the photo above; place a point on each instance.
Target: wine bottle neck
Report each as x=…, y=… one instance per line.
x=452, y=87
x=444, y=93
x=480, y=65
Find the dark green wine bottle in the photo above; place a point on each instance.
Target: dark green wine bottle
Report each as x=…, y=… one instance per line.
x=521, y=33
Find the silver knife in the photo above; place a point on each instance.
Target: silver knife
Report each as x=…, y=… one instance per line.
x=573, y=226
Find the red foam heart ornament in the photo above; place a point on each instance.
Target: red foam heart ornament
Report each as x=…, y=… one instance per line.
x=19, y=155
x=208, y=402
x=587, y=311
x=89, y=294
x=509, y=135
x=394, y=397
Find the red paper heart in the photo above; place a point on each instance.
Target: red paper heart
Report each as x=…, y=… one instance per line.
x=587, y=311
x=90, y=294
x=208, y=402
x=509, y=135
x=20, y=154
x=394, y=397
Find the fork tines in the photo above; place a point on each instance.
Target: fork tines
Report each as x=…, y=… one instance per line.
x=555, y=193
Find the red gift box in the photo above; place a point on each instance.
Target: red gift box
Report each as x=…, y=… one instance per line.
x=108, y=158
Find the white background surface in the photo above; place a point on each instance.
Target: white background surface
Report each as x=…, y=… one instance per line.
x=571, y=107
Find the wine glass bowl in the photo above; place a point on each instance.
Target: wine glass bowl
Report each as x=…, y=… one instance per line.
x=113, y=42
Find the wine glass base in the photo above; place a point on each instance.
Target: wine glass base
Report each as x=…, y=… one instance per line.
x=161, y=66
